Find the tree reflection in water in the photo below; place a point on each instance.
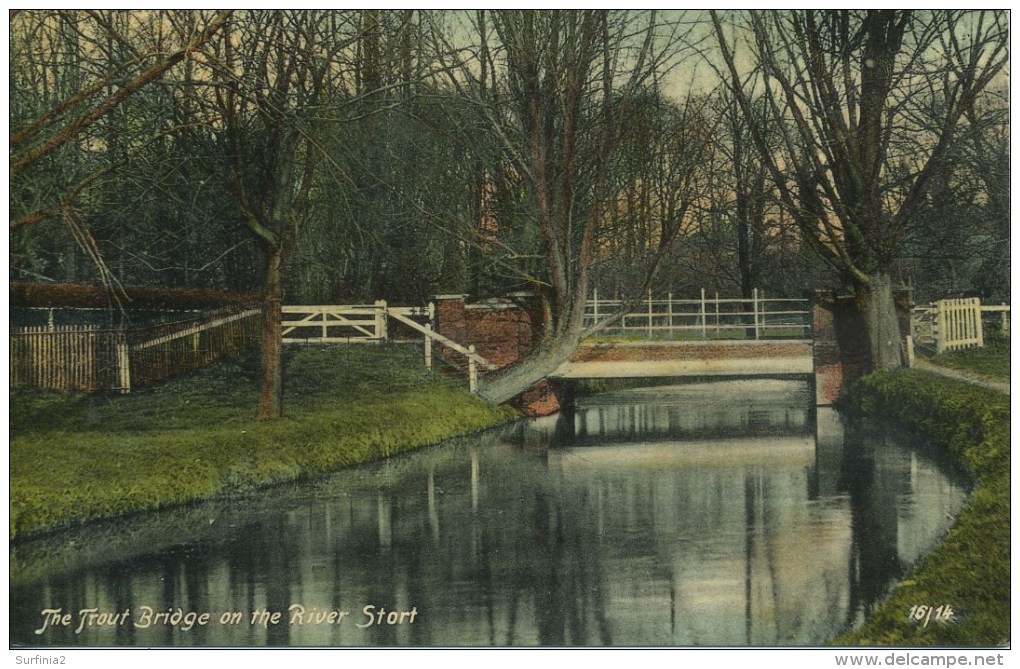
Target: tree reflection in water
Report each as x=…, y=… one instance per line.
x=719, y=514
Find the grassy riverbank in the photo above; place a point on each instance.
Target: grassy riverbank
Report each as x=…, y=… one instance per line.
x=991, y=361
x=970, y=569
x=77, y=457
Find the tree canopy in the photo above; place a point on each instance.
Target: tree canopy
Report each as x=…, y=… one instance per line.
x=325, y=156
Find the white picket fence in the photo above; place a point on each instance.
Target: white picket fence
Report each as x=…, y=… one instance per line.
x=955, y=324
x=87, y=357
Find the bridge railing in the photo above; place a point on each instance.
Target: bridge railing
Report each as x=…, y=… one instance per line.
x=709, y=317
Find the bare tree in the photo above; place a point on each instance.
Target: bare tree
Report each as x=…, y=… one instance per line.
x=35, y=139
x=847, y=88
x=567, y=81
x=662, y=175
x=271, y=70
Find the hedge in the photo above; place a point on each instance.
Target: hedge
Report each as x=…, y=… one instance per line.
x=970, y=569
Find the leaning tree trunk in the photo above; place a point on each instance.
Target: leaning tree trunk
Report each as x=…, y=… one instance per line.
x=556, y=347
x=878, y=308
x=504, y=384
x=271, y=393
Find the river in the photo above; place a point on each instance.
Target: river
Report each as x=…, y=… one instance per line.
x=731, y=513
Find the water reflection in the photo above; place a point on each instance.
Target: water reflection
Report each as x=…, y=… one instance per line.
x=729, y=513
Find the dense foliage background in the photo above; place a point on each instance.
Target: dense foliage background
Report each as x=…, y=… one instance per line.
x=393, y=150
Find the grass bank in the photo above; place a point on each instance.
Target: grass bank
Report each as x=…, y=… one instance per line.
x=991, y=361
x=970, y=569
x=78, y=457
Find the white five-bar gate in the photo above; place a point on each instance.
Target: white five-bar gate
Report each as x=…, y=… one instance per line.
x=368, y=324
x=342, y=323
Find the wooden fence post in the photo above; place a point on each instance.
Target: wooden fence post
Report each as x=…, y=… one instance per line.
x=428, y=346
x=649, y=313
x=717, y=314
x=755, y=303
x=669, y=310
x=472, y=370
x=430, y=325
x=704, y=324
x=380, y=320
x=979, y=326
x=936, y=327
x=123, y=364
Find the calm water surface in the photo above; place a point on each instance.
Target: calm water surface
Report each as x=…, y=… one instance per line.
x=729, y=513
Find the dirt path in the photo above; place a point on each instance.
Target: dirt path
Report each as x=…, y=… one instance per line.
x=984, y=382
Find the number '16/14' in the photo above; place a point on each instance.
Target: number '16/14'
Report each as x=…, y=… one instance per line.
x=925, y=614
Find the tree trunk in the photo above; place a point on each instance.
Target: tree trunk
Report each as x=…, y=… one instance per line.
x=556, y=346
x=877, y=306
x=271, y=394
x=503, y=385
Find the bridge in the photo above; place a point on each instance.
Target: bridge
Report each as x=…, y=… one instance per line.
x=705, y=337
x=679, y=359
x=656, y=337
x=660, y=337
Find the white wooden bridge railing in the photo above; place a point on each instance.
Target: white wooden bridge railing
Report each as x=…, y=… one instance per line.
x=713, y=317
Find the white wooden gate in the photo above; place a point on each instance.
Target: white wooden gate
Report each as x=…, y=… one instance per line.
x=367, y=324
x=334, y=323
x=958, y=324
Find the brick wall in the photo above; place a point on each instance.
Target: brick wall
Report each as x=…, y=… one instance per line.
x=502, y=334
x=828, y=365
x=841, y=346
x=502, y=331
